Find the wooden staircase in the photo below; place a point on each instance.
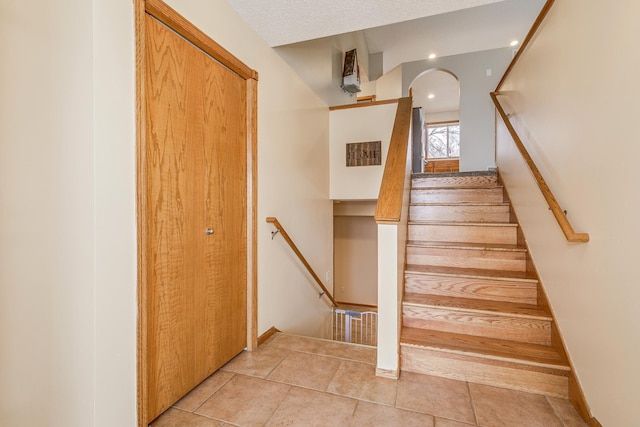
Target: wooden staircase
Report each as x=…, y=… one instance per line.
x=473, y=309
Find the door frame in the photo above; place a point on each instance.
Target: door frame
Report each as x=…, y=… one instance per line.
x=184, y=28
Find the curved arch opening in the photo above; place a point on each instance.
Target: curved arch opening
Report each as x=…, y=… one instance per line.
x=436, y=92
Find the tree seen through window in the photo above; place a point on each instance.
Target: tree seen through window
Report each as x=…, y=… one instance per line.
x=443, y=141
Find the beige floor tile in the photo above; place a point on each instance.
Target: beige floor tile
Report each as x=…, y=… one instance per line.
x=442, y=422
x=306, y=370
x=359, y=380
x=258, y=363
x=296, y=342
x=308, y=408
x=245, y=401
x=203, y=391
x=358, y=353
x=328, y=348
x=499, y=407
x=178, y=418
x=566, y=412
x=436, y=396
x=370, y=415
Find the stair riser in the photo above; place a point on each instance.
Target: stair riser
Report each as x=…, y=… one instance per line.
x=461, y=233
x=537, y=331
x=447, y=195
x=479, y=370
x=467, y=258
x=454, y=181
x=453, y=213
x=485, y=289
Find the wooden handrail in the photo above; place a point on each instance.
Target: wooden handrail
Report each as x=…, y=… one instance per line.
x=363, y=104
x=295, y=249
x=558, y=213
x=389, y=206
x=534, y=28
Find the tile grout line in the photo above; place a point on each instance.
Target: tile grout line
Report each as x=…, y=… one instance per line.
x=217, y=390
x=279, y=404
x=473, y=406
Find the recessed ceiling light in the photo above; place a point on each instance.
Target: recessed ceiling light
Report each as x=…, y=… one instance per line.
x=431, y=96
x=432, y=56
x=514, y=43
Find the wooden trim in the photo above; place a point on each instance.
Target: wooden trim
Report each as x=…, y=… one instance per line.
x=161, y=11
x=557, y=211
x=362, y=105
x=389, y=206
x=446, y=122
x=252, y=214
x=387, y=373
x=534, y=28
x=141, y=178
x=295, y=249
x=176, y=22
x=594, y=423
x=368, y=98
x=268, y=334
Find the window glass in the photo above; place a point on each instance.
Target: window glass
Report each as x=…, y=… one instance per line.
x=443, y=141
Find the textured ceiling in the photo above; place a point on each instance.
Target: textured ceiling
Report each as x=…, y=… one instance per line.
x=282, y=22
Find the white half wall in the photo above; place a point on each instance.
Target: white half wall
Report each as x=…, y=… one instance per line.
x=574, y=98
x=361, y=124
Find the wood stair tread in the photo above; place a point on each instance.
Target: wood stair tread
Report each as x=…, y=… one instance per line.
x=476, y=273
x=492, y=348
x=462, y=245
x=476, y=305
x=459, y=204
x=454, y=174
x=471, y=224
x=458, y=187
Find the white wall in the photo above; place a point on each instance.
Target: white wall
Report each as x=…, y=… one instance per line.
x=114, y=215
x=67, y=241
x=355, y=259
x=362, y=124
x=575, y=95
x=477, y=126
x=389, y=85
x=67, y=204
x=319, y=63
x=444, y=116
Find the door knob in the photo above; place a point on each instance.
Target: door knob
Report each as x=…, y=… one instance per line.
x=208, y=231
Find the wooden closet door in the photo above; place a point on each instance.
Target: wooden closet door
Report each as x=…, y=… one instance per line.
x=196, y=180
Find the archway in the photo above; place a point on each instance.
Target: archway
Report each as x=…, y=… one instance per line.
x=436, y=138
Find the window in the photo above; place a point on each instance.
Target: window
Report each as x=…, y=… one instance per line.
x=443, y=141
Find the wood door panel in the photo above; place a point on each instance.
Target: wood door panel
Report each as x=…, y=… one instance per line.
x=225, y=211
x=196, y=179
x=169, y=192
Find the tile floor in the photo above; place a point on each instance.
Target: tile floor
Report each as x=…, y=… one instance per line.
x=300, y=381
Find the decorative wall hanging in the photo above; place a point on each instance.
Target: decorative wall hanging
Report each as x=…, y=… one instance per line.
x=364, y=153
